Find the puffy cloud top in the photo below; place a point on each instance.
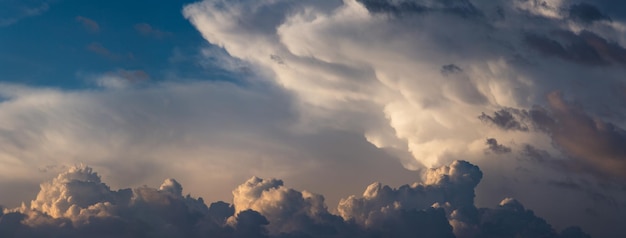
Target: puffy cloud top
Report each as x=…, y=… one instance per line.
x=431, y=81
x=284, y=207
x=74, y=192
x=78, y=204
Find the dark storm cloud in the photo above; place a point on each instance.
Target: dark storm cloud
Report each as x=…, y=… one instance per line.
x=450, y=69
x=78, y=204
x=511, y=219
x=585, y=47
x=586, y=13
x=565, y=184
x=610, y=8
x=535, y=154
x=429, y=222
x=594, y=146
x=593, y=142
x=405, y=7
x=495, y=147
x=507, y=119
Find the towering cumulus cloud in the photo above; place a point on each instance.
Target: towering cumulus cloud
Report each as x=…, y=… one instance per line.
x=533, y=90
x=77, y=204
x=422, y=71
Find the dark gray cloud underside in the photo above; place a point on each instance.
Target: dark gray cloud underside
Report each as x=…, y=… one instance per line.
x=79, y=205
x=462, y=8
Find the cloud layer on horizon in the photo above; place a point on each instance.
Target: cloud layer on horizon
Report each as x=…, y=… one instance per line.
x=77, y=203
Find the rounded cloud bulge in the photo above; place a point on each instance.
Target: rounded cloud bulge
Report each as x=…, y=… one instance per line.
x=531, y=91
x=77, y=204
x=421, y=72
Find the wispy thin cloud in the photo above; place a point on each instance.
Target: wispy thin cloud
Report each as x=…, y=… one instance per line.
x=122, y=78
x=16, y=11
x=148, y=30
x=89, y=24
x=99, y=49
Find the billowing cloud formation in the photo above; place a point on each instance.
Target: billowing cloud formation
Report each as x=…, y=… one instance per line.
x=287, y=208
x=76, y=203
x=436, y=81
x=205, y=133
x=420, y=84
x=452, y=184
x=426, y=82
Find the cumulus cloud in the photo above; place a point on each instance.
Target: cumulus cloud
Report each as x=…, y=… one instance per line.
x=77, y=203
x=412, y=76
x=205, y=133
x=451, y=187
x=417, y=82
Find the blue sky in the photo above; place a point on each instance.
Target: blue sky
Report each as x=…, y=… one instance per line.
x=71, y=39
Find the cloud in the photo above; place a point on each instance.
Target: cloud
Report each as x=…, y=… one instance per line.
x=14, y=11
x=99, y=49
x=587, y=13
x=591, y=141
x=497, y=148
x=77, y=203
x=356, y=76
x=147, y=30
x=395, y=70
x=287, y=210
x=463, y=8
x=412, y=77
x=341, y=91
x=585, y=47
x=511, y=219
x=451, y=186
x=504, y=119
x=205, y=133
x=121, y=79
x=89, y=24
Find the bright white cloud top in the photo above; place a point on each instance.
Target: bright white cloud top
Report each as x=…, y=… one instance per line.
x=331, y=96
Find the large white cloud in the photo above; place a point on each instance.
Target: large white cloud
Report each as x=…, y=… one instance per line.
x=421, y=71
x=422, y=80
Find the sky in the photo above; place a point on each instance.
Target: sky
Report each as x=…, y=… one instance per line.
x=313, y=118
